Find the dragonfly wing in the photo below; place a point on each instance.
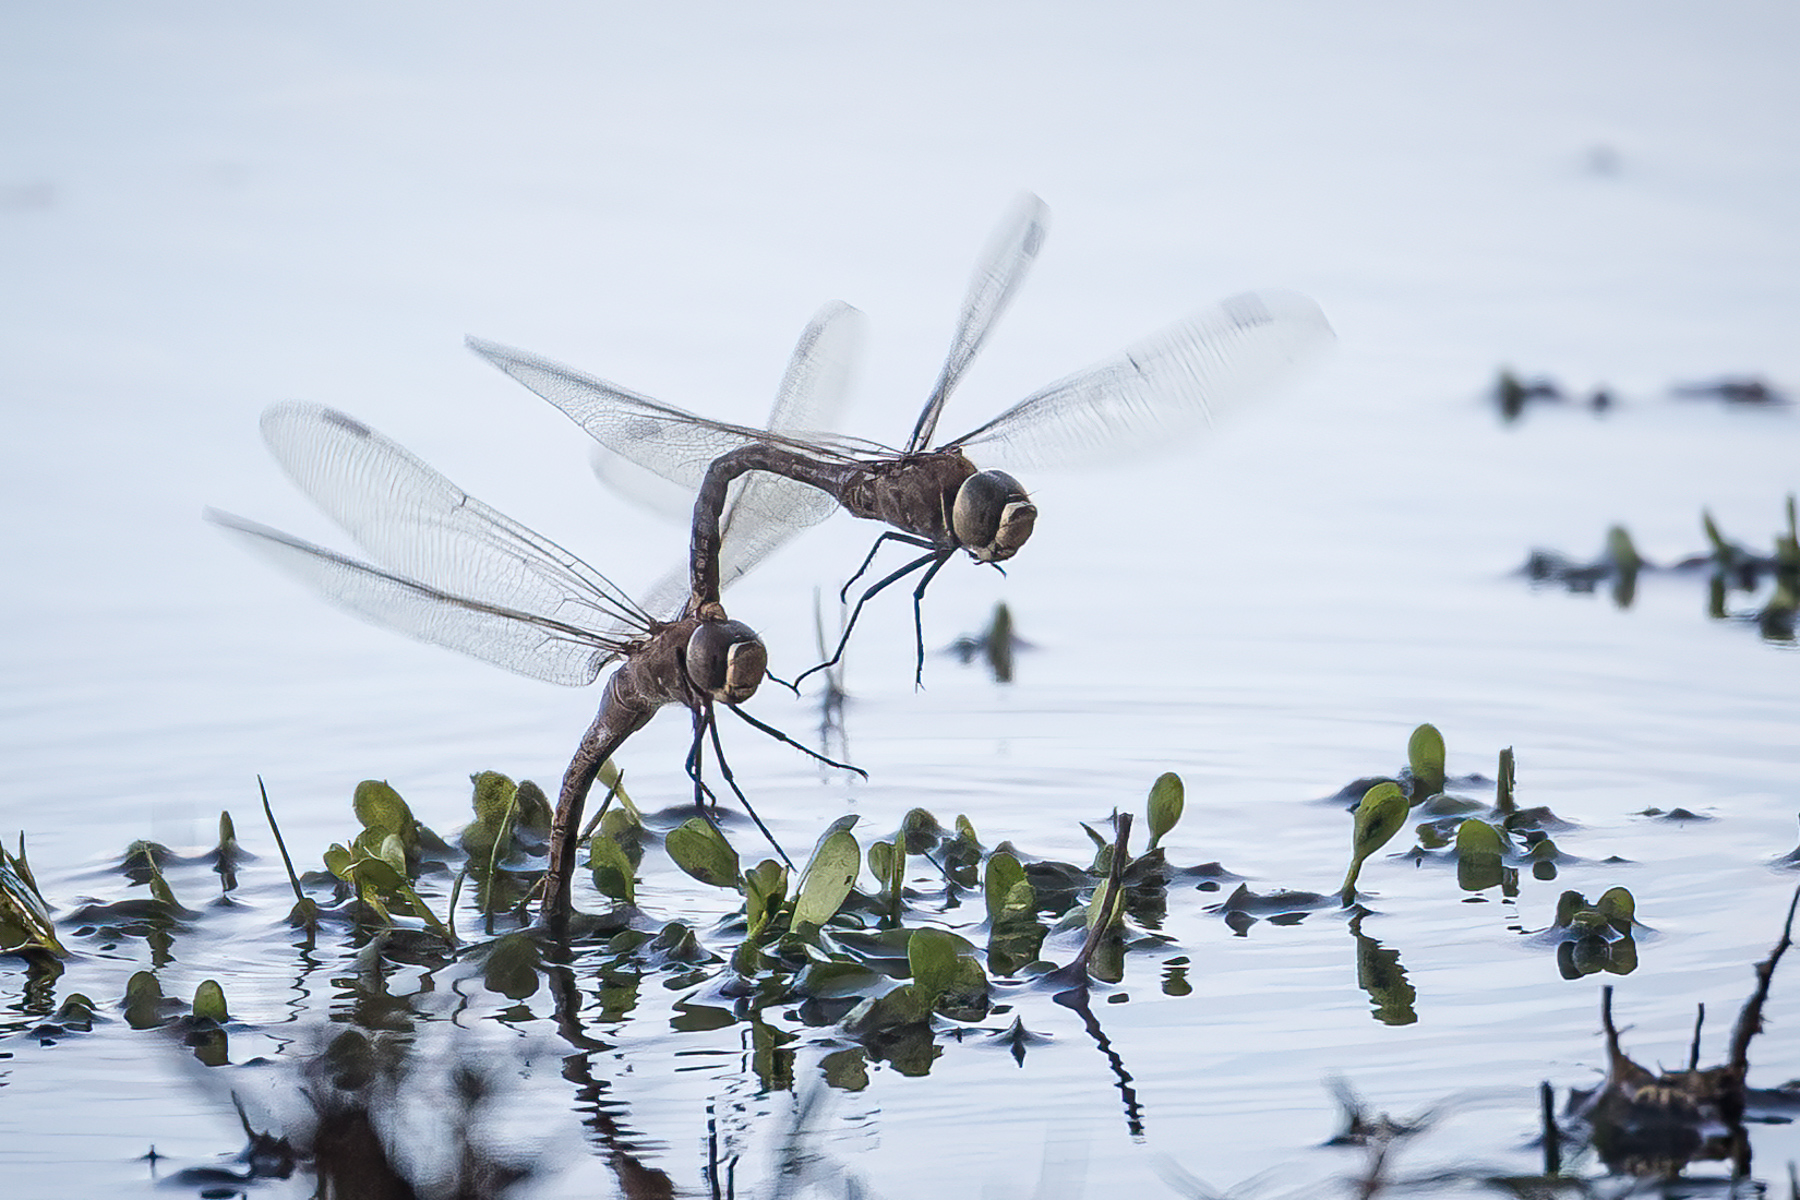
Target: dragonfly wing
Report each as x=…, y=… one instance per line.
x=667, y=440
x=763, y=510
x=418, y=525
x=766, y=509
x=519, y=641
x=998, y=273
x=1168, y=386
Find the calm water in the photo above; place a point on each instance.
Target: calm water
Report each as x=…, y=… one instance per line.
x=1269, y=616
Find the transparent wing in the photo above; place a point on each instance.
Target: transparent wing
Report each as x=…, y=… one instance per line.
x=765, y=509
x=675, y=444
x=417, y=525
x=762, y=510
x=998, y=272
x=1168, y=386
x=524, y=642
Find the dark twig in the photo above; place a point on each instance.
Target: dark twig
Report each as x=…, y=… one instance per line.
x=1749, y=1022
x=1109, y=898
x=279, y=844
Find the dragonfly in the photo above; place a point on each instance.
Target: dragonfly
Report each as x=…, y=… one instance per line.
x=448, y=569
x=1162, y=390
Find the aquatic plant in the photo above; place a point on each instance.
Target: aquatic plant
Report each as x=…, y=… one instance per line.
x=25, y=922
x=1590, y=938
x=1734, y=567
x=1379, y=816
x=381, y=863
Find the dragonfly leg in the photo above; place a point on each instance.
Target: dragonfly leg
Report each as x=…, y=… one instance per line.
x=712, y=725
x=782, y=737
x=894, y=535
x=702, y=719
x=909, y=568
x=919, y=617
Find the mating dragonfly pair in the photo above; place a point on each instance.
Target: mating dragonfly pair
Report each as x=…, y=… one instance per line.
x=446, y=568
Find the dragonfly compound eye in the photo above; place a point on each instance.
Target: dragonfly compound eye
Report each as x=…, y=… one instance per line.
x=727, y=660
x=993, y=516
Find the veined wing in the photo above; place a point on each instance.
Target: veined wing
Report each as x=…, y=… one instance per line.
x=525, y=642
x=998, y=272
x=1168, y=386
x=674, y=443
x=418, y=526
x=765, y=510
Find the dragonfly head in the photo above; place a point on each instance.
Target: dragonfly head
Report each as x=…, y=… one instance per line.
x=992, y=516
x=727, y=660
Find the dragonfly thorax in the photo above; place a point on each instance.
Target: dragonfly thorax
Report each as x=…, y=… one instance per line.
x=726, y=660
x=992, y=516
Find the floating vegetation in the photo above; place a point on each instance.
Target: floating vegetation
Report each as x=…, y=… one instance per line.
x=1734, y=389
x=1658, y=1123
x=861, y=945
x=1489, y=846
x=25, y=923
x=1590, y=938
x=1513, y=394
x=1730, y=566
x=1617, y=566
x=1638, y=1133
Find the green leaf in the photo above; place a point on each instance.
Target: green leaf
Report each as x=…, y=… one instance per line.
x=532, y=808
x=703, y=853
x=829, y=876
x=1425, y=755
x=1112, y=897
x=160, y=889
x=379, y=806
x=1166, y=802
x=1003, y=874
x=143, y=1001
x=613, y=873
x=1379, y=817
x=1503, y=785
x=1618, y=907
x=883, y=863
x=337, y=860
x=511, y=966
x=392, y=851
x=622, y=825
x=1478, y=837
x=24, y=917
x=209, y=1001
x=1479, y=847
x=765, y=887
x=932, y=954
x=920, y=831
x=227, y=833
x=492, y=798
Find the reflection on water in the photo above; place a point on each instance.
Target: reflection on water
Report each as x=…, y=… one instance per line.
x=368, y=1050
